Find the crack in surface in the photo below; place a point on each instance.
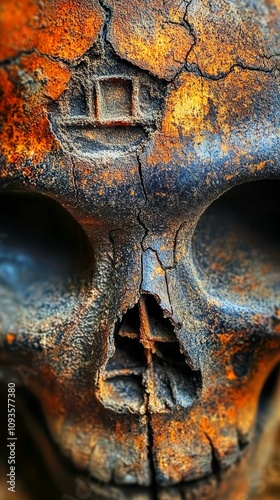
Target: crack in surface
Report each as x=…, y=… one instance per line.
x=190, y=28
x=112, y=256
x=216, y=464
x=74, y=178
x=150, y=446
x=184, y=223
x=164, y=268
x=194, y=68
x=15, y=59
x=168, y=293
x=140, y=221
x=11, y=60
x=185, y=24
x=108, y=16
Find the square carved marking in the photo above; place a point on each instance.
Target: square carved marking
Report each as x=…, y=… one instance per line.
x=115, y=99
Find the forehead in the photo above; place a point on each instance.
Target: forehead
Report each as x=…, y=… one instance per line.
x=170, y=99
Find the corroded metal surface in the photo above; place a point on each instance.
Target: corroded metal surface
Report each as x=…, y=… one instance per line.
x=151, y=321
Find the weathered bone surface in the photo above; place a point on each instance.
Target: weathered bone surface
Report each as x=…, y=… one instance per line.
x=139, y=236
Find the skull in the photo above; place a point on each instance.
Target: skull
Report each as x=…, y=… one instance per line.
x=139, y=255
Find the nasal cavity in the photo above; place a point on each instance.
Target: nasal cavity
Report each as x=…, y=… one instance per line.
x=147, y=372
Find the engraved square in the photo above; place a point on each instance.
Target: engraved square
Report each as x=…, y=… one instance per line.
x=115, y=99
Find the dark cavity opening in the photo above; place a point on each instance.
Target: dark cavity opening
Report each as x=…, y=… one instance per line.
x=236, y=243
x=44, y=253
x=127, y=372
x=129, y=353
x=131, y=321
x=161, y=327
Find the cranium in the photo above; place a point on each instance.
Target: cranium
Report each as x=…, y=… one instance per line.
x=139, y=233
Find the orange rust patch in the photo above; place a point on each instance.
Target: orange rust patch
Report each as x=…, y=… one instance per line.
x=53, y=76
x=10, y=337
x=111, y=177
x=276, y=327
x=216, y=266
x=245, y=282
x=151, y=36
x=61, y=28
x=26, y=132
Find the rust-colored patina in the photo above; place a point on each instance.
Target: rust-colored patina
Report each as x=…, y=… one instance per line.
x=139, y=259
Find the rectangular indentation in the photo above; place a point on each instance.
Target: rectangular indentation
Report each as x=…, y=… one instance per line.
x=115, y=99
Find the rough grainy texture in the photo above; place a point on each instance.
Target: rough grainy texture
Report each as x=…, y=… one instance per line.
x=139, y=273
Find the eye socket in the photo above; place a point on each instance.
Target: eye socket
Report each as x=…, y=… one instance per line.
x=45, y=257
x=236, y=244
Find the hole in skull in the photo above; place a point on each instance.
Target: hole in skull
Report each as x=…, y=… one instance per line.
x=44, y=255
x=129, y=354
x=237, y=243
x=131, y=322
x=161, y=328
x=147, y=370
x=267, y=396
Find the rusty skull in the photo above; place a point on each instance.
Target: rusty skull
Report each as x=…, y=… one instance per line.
x=139, y=250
